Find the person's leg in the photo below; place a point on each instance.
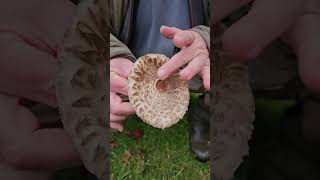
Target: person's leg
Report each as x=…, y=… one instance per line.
x=199, y=122
x=200, y=128
x=310, y=119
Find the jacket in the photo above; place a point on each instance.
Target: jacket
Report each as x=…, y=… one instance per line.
x=121, y=24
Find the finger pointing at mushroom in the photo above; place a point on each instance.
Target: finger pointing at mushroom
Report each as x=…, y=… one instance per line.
x=193, y=51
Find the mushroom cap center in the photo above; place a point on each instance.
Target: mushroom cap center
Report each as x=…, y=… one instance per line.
x=161, y=86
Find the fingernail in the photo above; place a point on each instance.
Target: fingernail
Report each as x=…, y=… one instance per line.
x=161, y=73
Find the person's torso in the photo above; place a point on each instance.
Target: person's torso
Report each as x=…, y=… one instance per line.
x=149, y=16
x=179, y=13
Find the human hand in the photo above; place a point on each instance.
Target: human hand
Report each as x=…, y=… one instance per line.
x=194, y=51
x=30, y=33
x=297, y=22
x=119, y=70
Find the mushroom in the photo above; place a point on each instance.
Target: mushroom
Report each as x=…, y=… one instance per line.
x=160, y=103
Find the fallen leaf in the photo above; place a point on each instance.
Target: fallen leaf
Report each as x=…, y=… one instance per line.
x=136, y=134
x=141, y=152
x=125, y=158
x=114, y=145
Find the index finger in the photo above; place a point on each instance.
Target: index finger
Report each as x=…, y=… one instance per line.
x=178, y=60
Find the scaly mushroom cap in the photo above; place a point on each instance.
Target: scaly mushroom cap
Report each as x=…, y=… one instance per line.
x=158, y=103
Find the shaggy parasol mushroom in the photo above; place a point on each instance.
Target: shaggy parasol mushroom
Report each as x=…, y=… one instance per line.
x=158, y=103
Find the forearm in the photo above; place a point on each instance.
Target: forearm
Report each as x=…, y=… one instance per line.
x=119, y=49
